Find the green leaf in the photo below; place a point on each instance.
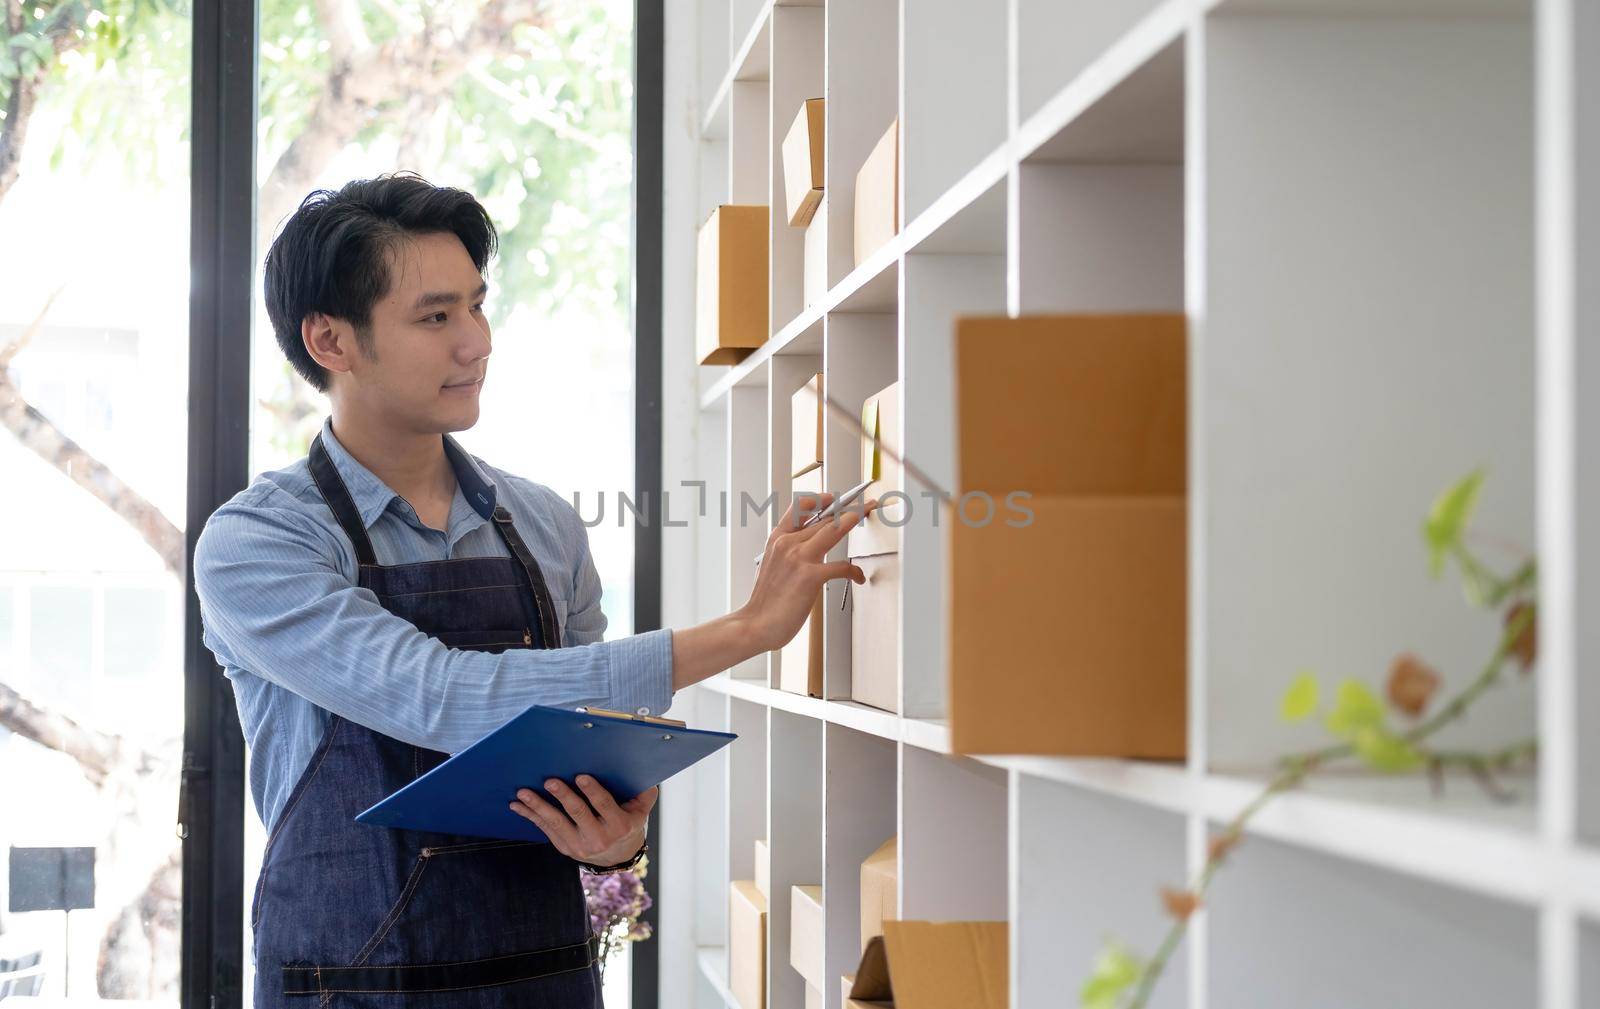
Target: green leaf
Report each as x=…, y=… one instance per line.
x=1115, y=971
x=1448, y=517
x=1384, y=751
x=1355, y=708
x=1300, y=700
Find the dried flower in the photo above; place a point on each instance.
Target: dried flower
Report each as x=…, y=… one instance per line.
x=1526, y=647
x=1221, y=845
x=616, y=901
x=1180, y=903
x=1411, y=684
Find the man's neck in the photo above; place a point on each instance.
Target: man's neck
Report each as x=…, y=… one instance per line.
x=412, y=465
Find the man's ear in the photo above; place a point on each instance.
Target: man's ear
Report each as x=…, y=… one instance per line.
x=331, y=342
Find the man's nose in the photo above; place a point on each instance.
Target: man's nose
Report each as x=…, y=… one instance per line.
x=474, y=343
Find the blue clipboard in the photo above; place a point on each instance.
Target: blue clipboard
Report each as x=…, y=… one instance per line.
x=471, y=792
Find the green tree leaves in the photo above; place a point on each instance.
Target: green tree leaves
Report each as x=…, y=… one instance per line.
x=1448, y=518
x=1301, y=699
x=1116, y=970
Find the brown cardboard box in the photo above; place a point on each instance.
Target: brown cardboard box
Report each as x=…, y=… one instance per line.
x=805, y=426
x=815, y=282
x=806, y=933
x=877, y=211
x=875, y=633
x=1087, y=577
x=846, y=1002
x=802, y=164
x=935, y=965
x=747, y=944
x=800, y=660
x=879, y=532
x=731, y=284
x=764, y=869
x=880, y=874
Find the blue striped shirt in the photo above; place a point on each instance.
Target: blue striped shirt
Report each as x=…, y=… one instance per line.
x=276, y=577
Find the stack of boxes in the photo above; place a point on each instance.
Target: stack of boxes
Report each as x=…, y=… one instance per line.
x=1071, y=544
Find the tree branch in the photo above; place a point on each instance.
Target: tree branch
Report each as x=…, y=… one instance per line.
x=423, y=65
x=97, y=753
x=64, y=33
x=39, y=434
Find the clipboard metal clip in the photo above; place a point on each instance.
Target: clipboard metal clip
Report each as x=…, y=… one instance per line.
x=605, y=713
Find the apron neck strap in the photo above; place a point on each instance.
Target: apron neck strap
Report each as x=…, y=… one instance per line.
x=507, y=529
x=326, y=476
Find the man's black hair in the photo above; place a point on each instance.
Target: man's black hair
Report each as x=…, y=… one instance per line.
x=332, y=256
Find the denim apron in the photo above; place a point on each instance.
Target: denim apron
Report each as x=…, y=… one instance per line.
x=347, y=914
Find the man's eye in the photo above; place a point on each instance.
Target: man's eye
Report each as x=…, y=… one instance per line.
x=435, y=317
x=478, y=307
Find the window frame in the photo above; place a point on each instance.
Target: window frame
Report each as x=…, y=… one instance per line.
x=222, y=264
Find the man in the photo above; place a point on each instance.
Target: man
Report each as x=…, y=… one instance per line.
x=390, y=599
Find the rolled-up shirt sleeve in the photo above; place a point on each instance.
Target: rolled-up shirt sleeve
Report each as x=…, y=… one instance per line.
x=275, y=603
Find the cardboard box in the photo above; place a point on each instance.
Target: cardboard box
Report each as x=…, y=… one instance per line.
x=815, y=281
x=879, y=532
x=877, y=210
x=731, y=284
x=1088, y=575
x=747, y=944
x=880, y=874
x=875, y=633
x=846, y=983
x=806, y=933
x=800, y=659
x=802, y=164
x=805, y=426
x=935, y=965
x=764, y=869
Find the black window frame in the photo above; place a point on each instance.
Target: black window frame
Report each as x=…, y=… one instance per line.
x=222, y=263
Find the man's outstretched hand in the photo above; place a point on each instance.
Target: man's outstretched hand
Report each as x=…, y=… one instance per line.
x=588, y=825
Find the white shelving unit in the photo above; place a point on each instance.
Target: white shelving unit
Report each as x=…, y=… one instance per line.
x=1382, y=219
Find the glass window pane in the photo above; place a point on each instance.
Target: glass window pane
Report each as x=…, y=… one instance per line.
x=94, y=252
x=137, y=635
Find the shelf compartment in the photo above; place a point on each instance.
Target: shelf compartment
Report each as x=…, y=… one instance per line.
x=1056, y=42
x=709, y=780
x=797, y=72
x=1094, y=864
x=953, y=110
x=1341, y=388
x=749, y=485
x=794, y=835
x=1100, y=220
x=952, y=867
x=1290, y=927
x=940, y=287
x=859, y=814
x=863, y=99
x=860, y=358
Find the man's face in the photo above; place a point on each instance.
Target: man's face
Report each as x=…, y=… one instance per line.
x=430, y=341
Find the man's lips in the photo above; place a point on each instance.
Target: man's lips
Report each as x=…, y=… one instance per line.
x=463, y=387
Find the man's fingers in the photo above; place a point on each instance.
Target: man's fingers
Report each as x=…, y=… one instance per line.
x=844, y=569
x=546, y=817
x=601, y=800
x=802, y=507
x=825, y=535
x=643, y=802
x=572, y=802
